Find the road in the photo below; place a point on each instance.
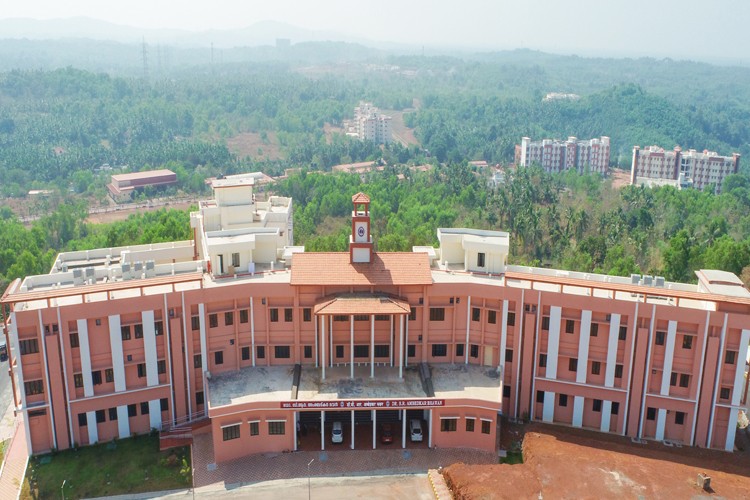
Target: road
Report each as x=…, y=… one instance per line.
x=7, y=423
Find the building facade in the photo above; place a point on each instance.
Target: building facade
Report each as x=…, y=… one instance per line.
x=436, y=343
x=123, y=186
x=685, y=169
x=558, y=156
x=371, y=124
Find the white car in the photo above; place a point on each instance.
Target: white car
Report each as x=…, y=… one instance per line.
x=415, y=429
x=337, y=433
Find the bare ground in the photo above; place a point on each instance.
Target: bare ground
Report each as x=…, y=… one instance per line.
x=251, y=144
x=620, y=178
x=574, y=463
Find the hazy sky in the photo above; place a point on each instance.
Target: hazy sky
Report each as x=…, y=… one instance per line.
x=700, y=29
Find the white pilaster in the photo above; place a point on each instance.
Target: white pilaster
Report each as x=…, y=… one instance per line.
x=374, y=429
x=91, y=426
x=606, y=416
x=123, y=422
x=553, y=343
x=323, y=349
x=323, y=423
x=115, y=342
x=504, y=341
x=578, y=402
x=583, y=347
x=149, y=348
x=668, y=358
x=614, y=335
x=548, y=411
x=85, y=352
x=661, y=420
x=351, y=443
x=372, y=347
x=351, y=346
x=739, y=378
x=401, y=348
x=252, y=335
x=204, y=347
x=468, y=324
x=154, y=414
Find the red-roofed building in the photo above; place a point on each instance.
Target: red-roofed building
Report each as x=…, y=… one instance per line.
x=123, y=185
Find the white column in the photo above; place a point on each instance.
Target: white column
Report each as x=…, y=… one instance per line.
x=406, y=345
x=149, y=348
x=351, y=346
x=91, y=425
x=548, y=410
x=739, y=378
x=330, y=341
x=429, y=436
x=294, y=426
x=390, y=348
x=374, y=428
x=372, y=346
x=123, y=422
x=252, y=335
x=614, y=335
x=188, y=362
x=351, y=445
x=504, y=343
x=323, y=428
x=606, y=416
x=578, y=402
x=315, y=322
x=46, y=373
x=403, y=428
x=401, y=348
x=118, y=363
x=468, y=324
x=154, y=414
x=661, y=420
x=323, y=347
x=668, y=358
x=204, y=347
x=553, y=343
x=85, y=352
x=583, y=347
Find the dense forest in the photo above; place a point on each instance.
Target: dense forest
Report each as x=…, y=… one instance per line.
x=67, y=129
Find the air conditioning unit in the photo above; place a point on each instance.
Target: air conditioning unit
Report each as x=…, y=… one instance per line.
x=126, y=272
x=77, y=277
x=647, y=280
x=659, y=281
x=635, y=278
x=150, y=269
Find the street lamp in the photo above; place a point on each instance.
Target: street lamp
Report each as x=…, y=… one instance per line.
x=308, y=478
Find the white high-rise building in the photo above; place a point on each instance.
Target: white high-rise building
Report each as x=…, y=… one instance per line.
x=371, y=125
x=557, y=156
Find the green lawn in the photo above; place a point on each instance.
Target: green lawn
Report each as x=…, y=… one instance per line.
x=132, y=465
x=3, y=445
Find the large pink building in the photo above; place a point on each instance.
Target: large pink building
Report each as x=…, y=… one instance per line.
x=559, y=156
x=282, y=343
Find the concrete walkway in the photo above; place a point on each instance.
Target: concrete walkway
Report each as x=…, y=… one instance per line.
x=14, y=466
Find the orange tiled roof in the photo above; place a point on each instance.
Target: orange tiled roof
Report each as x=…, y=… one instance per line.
x=360, y=198
x=361, y=304
x=334, y=268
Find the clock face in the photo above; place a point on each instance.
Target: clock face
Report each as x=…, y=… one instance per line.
x=361, y=231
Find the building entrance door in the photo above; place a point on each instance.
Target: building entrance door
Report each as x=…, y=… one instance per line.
x=489, y=355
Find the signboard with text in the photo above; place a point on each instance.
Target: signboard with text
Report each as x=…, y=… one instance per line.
x=362, y=404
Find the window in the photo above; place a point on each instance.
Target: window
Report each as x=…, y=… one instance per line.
x=436, y=314
x=161, y=366
x=542, y=361
x=684, y=380
x=231, y=432
x=199, y=398
x=474, y=350
x=245, y=353
x=339, y=351
x=163, y=404
x=475, y=314
x=276, y=428
x=197, y=361
x=113, y=414
x=448, y=424
x=361, y=351
x=650, y=413
x=213, y=320
x=724, y=393
x=33, y=387
x=506, y=391
x=144, y=408
x=78, y=380
x=228, y=318
x=597, y=405
x=274, y=315
x=98, y=322
x=159, y=328
x=563, y=401
x=141, y=370
x=480, y=259
x=260, y=352
x=236, y=259
x=618, y=371
x=132, y=410
x=615, y=407
x=30, y=346
x=125, y=332
x=486, y=426
x=730, y=357
x=109, y=376
x=470, y=425
x=570, y=326
x=511, y=319
x=545, y=322
x=509, y=355
x=74, y=340
x=659, y=338
x=96, y=377
x=101, y=417
x=281, y=352
x=459, y=350
x=342, y=317
x=308, y=351
x=244, y=315
x=596, y=367
x=254, y=428
x=195, y=323
x=492, y=317
x=439, y=350
x=673, y=379
x=381, y=351
x=219, y=358
x=573, y=364
x=288, y=315
x=540, y=396
x=306, y=314
x=138, y=331
x=82, y=421
x=411, y=350
x=679, y=417
x=623, y=333
x=594, y=330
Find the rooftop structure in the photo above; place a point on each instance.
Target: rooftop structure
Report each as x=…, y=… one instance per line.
x=558, y=156
x=122, y=186
x=699, y=170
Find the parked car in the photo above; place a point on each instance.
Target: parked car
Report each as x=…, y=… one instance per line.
x=337, y=433
x=3, y=350
x=415, y=429
x=386, y=434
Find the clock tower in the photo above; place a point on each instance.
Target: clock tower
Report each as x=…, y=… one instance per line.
x=360, y=242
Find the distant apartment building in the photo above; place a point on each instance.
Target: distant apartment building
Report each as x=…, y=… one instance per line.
x=557, y=156
x=371, y=125
x=683, y=169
